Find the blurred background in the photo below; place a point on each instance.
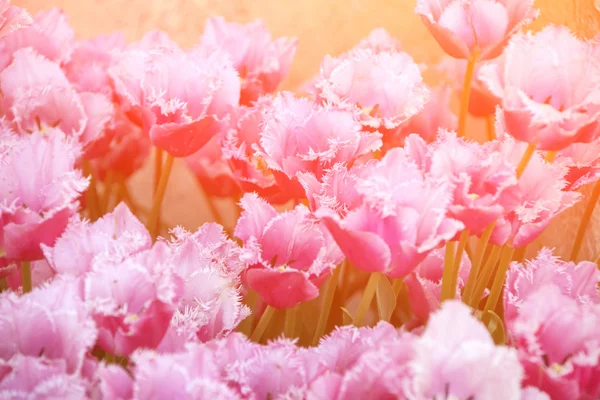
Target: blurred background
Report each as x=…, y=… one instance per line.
x=322, y=27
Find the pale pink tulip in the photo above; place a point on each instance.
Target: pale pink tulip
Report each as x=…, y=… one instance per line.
x=36, y=94
x=261, y=61
x=30, y=377
x=557, y=339
x=543, y=194
x=577, y=281
x=91, y=59
x=49, y=35
x=379, y=40
x=210, y=266
x=549, y=84
x=115, y=236
x=299, y=136
x=51, y=322
x=193, y=374
x=484, y=180
x=38, y=192
x=456, y=357
x=383, y=89
x=474, y=27
x=12, y=18
x=402, y=217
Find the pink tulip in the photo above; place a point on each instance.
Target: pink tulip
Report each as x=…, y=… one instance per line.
x=180, y=98
x=132, y=301
x=12, y=18
x=536, y=108
x=91, y=59
x=209, y=265
x=99, y=130
x=50, y=322
x=212, y=171
x=402, y=217
x=543, y=194
x=456, y=357
x=115, y=236
x=436, y=115
x=240, y=150
x=363, y=362
x=111, y=382
x=261, y=61
x=49, y=35
x=36, y=94
x=299, y=136
x=484, y=180
x=193, y=374
x=30, y=377
x=577, y=281
x=38, y=194
x=127, y=151
x=379, y=40
x=557, y=339
x=464, y=28
x=288, y=255
x=384, y=89
x=336, y=190
x=583, y=161
x=155, y=40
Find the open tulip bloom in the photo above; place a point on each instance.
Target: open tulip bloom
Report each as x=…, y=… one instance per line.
x=370, y=249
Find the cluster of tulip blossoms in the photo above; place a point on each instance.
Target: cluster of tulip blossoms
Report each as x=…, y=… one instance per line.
x=377, y=252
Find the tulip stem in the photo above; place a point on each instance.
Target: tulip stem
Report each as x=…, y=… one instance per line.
x=126, y=196
x=448, y=272
x=477, y=261
x=327, y=302
x=520, y=254
x=484, y=277
x=262, y=324
x=550, y=156
x=154, y=219
x=289, y=327
x=397, y=286
x=498, y=285
x=108, y=186
x=462, y=244
x=489, y=122
x=367, y=297
x=525, y=159
x=91, y=194
x=158, y=161
x=245, y=326
x=216, y=215
x=466, y=95
x=585, y=220
x=26, y=276
x=3, y=285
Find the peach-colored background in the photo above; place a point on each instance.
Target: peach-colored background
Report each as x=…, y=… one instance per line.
x=323, y=27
